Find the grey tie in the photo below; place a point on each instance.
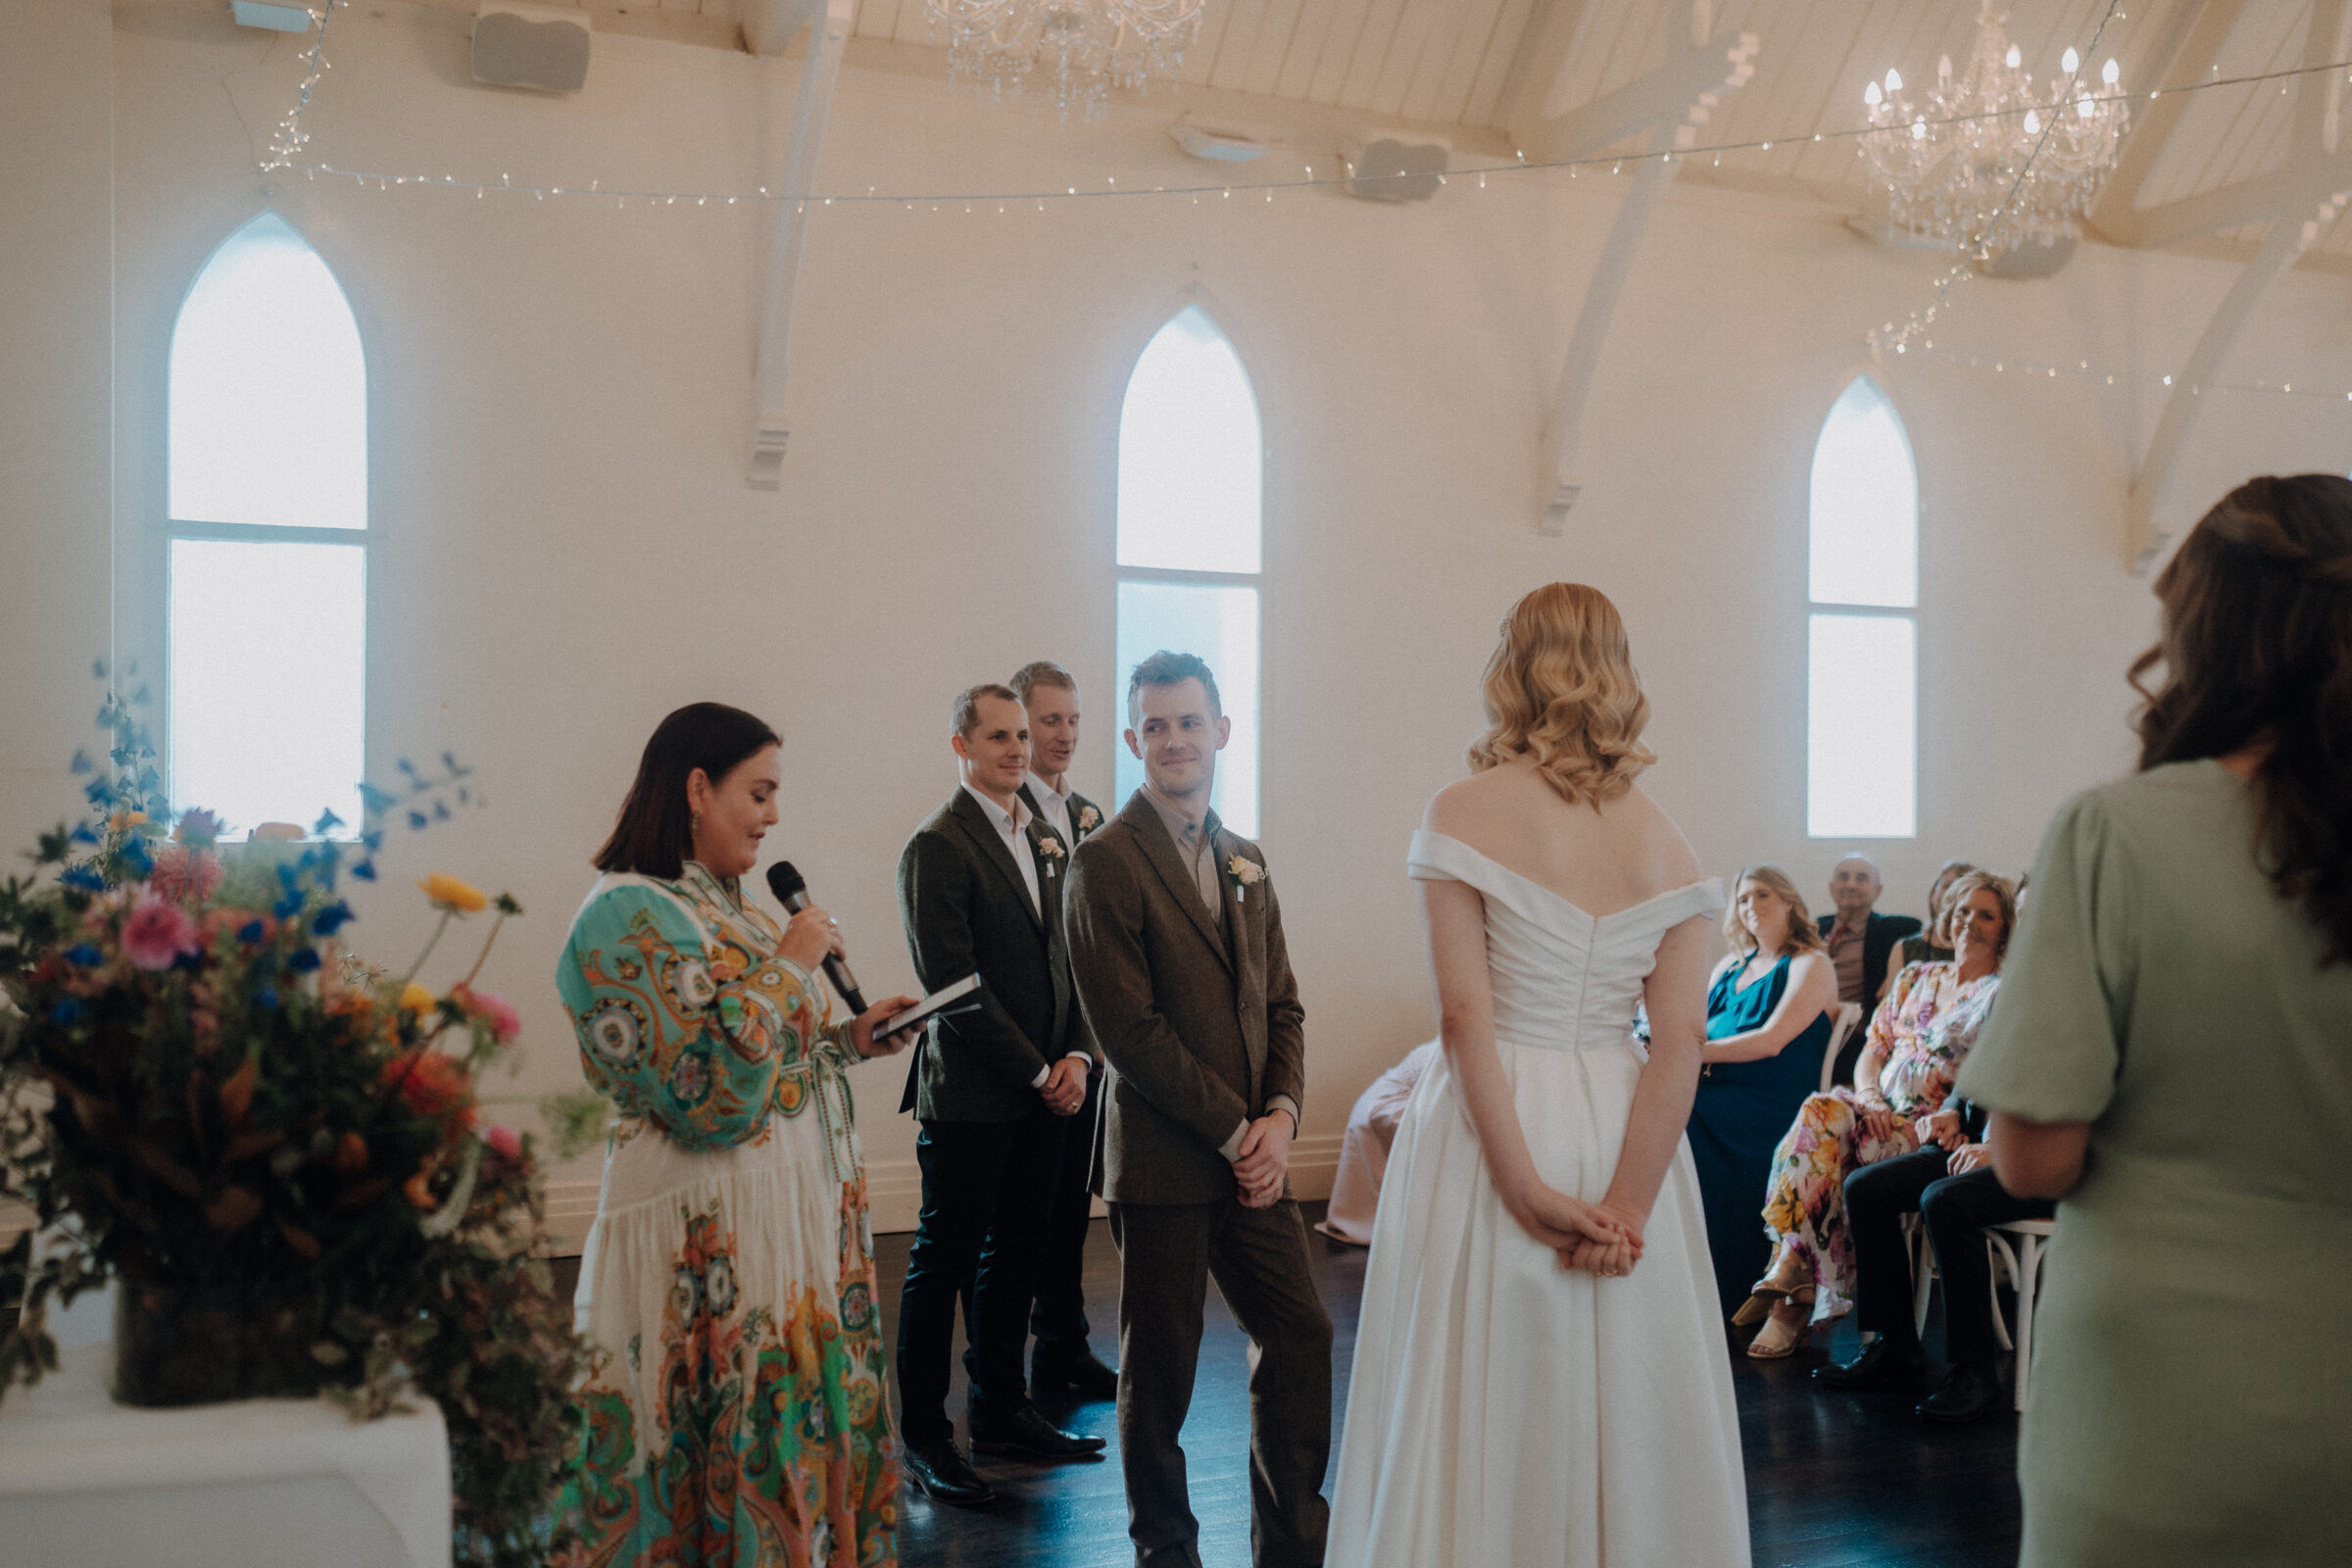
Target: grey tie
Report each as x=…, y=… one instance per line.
x=1204, y=870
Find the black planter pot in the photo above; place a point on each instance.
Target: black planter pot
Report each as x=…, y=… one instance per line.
x=205, y=1344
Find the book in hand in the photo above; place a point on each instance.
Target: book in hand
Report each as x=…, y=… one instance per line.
x=939, y=1003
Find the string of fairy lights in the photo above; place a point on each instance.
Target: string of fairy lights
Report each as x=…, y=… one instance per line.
x=292, y=138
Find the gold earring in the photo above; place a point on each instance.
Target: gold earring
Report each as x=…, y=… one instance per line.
x=694, y=820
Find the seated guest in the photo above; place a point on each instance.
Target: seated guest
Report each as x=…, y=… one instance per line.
x=1934, y=943
x=1950, y=1183
x=1915, y=1043
x=1860, y=941
x=1364, y=1147
x=1770, y=1008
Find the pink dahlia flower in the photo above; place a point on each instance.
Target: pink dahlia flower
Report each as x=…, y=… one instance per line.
x=157, y=934
x=505, y=1139
x=184, y=875
x=494, y=1010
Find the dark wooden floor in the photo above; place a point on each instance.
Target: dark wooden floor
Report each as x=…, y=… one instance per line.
x=1833, y=1479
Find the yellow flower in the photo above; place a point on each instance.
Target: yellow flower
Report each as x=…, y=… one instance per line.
x=459, y=897
x=417, y=998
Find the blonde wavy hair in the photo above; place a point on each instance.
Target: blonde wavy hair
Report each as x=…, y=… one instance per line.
x=1561, y=689
x=2004, y=894
x=1804, y=934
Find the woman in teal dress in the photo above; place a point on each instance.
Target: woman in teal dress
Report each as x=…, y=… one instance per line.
x=2171, y=1057
x=739, y=1417
x=1769, y=1014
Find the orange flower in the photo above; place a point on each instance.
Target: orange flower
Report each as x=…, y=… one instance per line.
x=448, y=893
x=429, y=1083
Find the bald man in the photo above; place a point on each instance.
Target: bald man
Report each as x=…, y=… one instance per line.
x=1859, y=941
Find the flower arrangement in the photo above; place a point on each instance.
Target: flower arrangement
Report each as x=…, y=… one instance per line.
x=273, y=1147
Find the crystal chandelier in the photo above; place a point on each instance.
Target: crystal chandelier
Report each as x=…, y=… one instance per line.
x=1986, y=163
x=1080, y=48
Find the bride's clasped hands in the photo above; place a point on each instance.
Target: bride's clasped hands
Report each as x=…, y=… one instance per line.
x=1601, y=1238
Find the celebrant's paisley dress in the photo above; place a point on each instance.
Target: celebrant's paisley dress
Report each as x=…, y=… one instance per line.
x=739, y=1415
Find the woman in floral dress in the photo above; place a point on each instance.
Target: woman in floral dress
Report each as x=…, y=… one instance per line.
x=1917, y=1039
x=739, y=1417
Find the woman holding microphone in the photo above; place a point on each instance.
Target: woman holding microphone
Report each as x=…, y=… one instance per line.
x=740, y=1415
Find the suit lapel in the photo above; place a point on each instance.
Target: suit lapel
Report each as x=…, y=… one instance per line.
x=1143, y=818
x=1248, y=985
x=983, y=833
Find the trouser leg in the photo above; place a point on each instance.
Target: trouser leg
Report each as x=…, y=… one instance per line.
x=997, y=1322
x=1877, y=1198
x=960, y=1163
x=1163, y=1282
x=1957, y=1210
x=1258, y=1258
x=1058, y=1319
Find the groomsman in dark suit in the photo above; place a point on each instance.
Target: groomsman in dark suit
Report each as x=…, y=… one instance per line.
x=1177, y=947
x=1063, y=1359
x=993, y=1089
x=1859, y=940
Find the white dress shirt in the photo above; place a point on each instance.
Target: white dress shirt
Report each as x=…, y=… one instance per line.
x=1052, y=810
x=1013, y=828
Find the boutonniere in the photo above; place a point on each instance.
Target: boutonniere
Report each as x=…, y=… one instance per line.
x=1087, y=819
x=1048, y=849
x=1246, y=874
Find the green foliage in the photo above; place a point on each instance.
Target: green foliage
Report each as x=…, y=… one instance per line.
x=199, y=1086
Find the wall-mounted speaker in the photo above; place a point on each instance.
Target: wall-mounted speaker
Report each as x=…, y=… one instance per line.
x=1394, y=168
x=530, y=46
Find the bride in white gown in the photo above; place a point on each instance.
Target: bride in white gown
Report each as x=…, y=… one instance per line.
x=1540, y=1369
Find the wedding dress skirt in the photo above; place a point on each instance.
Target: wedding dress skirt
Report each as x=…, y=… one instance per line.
x=1507, y=1412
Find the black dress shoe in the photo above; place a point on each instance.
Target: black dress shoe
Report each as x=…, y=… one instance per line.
x=941, y=1472
x=1080, y=1374
x=1967, y=1393
x=1878, y=1360
x=1032, y=1433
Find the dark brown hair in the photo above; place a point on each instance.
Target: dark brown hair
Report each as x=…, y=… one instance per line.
x=1166, y=668
x=965, y=715
x=2257, y=647
x=654, y=834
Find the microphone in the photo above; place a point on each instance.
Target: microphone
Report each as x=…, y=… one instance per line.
x=791, y=891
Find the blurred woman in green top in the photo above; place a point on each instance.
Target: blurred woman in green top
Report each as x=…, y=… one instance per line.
x=2172, y=1056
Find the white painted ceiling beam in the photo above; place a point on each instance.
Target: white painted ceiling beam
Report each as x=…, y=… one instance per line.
x=2293, y=229
x=1672, y=92
x=1634, y=106
x=2293, y=190
x=2193, y=36
x=820, y=69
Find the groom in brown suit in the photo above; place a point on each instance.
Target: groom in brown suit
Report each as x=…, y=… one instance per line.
x=1177, y=950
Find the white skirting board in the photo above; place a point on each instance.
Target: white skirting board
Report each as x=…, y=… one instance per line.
x=894, y=1189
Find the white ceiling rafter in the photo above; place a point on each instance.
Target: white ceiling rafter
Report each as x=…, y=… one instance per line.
x=2298, y=206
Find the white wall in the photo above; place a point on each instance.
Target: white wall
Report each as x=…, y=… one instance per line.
x=562, y=398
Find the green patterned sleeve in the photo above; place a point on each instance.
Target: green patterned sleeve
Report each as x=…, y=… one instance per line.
x=694, y=1051
x=2053, y=1044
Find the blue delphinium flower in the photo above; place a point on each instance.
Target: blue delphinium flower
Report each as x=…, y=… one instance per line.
x=249, y=931
x=66, y=1014
x=265, y=997
x=83, y=878
x=328, y=921
x=84, y=954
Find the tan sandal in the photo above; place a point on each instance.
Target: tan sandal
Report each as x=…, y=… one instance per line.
x=1787, y=1279
x=1778, y=1337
